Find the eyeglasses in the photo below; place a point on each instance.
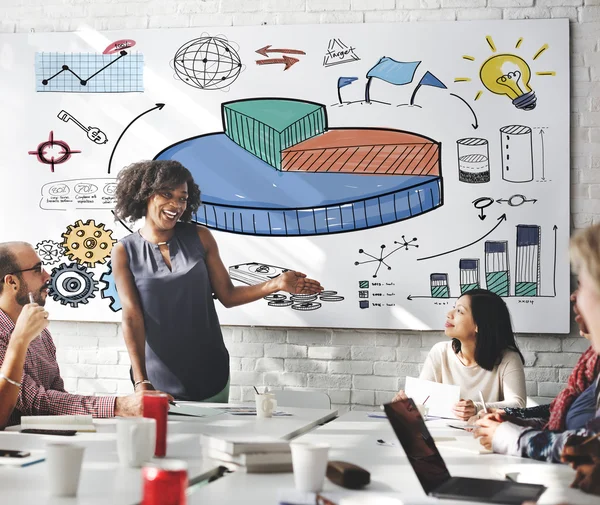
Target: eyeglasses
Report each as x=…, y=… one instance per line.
x=37, y=268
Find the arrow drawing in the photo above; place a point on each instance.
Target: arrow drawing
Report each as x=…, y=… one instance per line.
x=501, y=219
x=264, y=51
x=555, y=228
x=476, y=124
x=412, y=297
x=516, y=200
x=543, y=155
x=482, y=216
x=159, y=106
x=285, y=60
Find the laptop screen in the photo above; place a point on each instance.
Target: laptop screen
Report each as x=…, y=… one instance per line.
x=418, y=443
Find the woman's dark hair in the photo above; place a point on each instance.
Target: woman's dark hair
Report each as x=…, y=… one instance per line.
x=494, y=329
x=139, y=181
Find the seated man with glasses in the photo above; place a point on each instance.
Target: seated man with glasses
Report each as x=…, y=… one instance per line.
x=30, y=382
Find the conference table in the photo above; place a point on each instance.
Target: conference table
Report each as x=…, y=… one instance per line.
x=104, y=481
x=354, y=437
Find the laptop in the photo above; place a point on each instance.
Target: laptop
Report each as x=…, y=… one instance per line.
x=432, y=472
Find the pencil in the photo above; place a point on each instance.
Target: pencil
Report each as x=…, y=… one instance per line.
x=597, y=435
x=483, y=402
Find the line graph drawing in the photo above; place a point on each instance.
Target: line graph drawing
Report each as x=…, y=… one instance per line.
x=89, y=72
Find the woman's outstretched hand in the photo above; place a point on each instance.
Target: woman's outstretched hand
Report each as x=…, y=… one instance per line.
x=298, y=284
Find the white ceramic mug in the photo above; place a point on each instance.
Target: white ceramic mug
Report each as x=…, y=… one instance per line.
x=265, y=404
x=64, y=467
x=136, y=439
x=310, y=464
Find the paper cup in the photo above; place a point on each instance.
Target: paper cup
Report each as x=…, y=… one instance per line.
x=64, y=467
x=310, y=464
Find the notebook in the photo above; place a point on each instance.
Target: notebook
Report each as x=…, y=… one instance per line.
x=75, y=422
x=234, y=445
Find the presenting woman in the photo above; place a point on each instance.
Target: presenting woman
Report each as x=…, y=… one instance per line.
x=482, y=355
x=166, y=274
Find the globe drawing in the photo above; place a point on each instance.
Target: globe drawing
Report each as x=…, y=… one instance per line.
x=207, y=63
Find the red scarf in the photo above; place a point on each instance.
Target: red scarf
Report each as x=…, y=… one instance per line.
x=583, y=375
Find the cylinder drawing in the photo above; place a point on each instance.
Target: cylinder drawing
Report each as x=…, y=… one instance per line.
x=473, y=160
x=439, y=286
x=516, y=145
x=497, y=276
x=469, y=275
x=527, y=274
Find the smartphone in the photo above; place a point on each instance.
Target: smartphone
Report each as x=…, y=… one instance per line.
x=66, y=433
x=7, y=453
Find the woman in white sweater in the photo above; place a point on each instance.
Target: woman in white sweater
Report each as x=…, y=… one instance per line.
x=482, y=355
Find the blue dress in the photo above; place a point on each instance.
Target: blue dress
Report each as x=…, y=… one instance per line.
x=185, y=352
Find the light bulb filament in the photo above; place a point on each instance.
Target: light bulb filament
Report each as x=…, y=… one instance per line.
x=511, y=81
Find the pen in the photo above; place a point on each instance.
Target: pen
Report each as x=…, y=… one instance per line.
x=31, y=300
x=597, y=435
x=483, y=402
x=173, y=403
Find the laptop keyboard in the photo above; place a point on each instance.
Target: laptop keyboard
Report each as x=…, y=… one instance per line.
x=473, y=487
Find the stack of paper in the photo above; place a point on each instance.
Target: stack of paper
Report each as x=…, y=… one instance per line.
x=75, y=422
x=252, y=455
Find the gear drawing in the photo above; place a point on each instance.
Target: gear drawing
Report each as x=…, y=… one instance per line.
x=88, y=243
x=72, y=284
x=110, y=290
x=49, y=251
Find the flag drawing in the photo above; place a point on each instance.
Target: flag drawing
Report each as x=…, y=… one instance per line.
x=344, y=81
x=392, y=71
x=428, y=79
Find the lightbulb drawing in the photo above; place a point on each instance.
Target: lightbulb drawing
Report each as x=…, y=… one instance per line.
x=508, y=74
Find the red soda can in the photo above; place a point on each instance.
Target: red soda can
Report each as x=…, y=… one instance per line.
x=156, y=406
x=165, y=483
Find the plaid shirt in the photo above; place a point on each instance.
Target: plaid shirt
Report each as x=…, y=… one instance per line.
x=43, y=390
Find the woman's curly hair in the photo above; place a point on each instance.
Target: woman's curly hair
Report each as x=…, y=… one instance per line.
x=139, y=181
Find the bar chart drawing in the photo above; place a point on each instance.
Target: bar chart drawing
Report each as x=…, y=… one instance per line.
x=469, y=275
x=439, y=286
x=527, y=270
x=497, y=275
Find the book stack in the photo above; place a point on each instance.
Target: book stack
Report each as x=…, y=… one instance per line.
x=251, y=455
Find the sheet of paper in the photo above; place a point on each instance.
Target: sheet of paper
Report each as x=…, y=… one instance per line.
x=191, y=409
x=442, y=397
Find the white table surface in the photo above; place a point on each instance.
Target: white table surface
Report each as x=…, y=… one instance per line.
x=353, y=438
x=105, y=482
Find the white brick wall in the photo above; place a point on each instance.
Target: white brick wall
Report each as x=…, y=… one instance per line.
x=364, y=368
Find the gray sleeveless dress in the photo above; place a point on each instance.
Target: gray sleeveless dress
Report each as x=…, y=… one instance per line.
x=185, y=352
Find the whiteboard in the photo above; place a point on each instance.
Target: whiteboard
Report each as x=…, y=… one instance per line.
x=399, y=164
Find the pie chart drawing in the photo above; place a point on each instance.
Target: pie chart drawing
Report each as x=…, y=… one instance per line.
x=278, y=169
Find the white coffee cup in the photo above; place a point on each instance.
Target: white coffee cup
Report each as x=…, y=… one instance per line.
x=64, y=467
x=265, y=404
x=310, y=464
x=136, y=440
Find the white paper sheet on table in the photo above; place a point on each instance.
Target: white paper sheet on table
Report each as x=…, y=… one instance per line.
x=193, y=410
x=442, y=397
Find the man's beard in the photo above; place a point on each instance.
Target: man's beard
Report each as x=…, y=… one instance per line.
x=23, y=296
